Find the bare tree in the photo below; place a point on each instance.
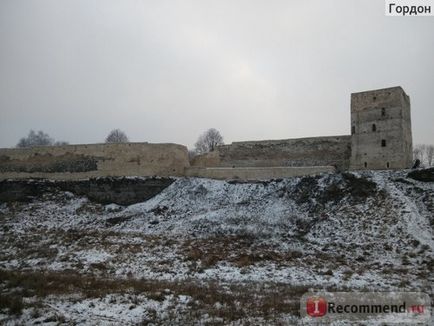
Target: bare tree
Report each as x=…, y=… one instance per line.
x=208, y=141
x=36, y=139
x=60, y=143
x=191, y=154
x=117, y=136
x=429, y=154
x=425, y=153
x=419, y=152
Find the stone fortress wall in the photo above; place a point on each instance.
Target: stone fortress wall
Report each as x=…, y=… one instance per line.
x=300, y=152
x=95, y=160
x=255, y=173
x=380, y=139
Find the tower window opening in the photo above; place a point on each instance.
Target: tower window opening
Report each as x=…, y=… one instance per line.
x=366, y=164
x=388, y=165
x=383, y=143
x=353, y=130
x=374, y=98
x=383, y=112
x=374, y=127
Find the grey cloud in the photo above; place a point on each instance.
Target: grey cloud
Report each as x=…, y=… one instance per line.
x=164, y=71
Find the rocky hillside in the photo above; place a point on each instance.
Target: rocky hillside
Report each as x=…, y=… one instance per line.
x=213, y=252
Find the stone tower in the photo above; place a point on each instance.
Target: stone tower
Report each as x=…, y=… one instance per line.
x=381, y=130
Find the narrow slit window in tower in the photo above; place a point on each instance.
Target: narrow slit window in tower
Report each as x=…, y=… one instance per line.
x=388, y=165
x=374, y=127
x=366, y=164
x=383, y=112
x=383, y=143
x=353, y=130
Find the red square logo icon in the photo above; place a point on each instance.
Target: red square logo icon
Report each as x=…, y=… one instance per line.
x=316, y=306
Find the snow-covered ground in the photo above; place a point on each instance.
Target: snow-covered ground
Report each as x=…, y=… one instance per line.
x=207, y=251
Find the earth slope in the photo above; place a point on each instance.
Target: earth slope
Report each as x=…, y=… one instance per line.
x=214, y=252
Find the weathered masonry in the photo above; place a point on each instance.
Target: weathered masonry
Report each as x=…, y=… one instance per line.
x=300, y=152
x=380, y=139
x=74, y=162
x=381, y=130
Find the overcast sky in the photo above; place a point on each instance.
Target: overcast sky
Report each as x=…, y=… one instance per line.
x=164, y=71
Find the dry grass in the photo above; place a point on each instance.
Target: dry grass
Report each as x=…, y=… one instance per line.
x=13, y=303
x=241, y=251
x=235, y=301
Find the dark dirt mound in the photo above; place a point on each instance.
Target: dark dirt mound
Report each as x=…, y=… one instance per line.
x=122, y=191
x=357, y=189
x=425, y=175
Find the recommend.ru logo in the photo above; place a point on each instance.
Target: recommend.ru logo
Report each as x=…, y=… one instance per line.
x=378, y=307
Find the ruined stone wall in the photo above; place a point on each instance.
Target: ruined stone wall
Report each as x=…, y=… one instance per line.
x=255, y=173
x=301, y=152
x=72, y=162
